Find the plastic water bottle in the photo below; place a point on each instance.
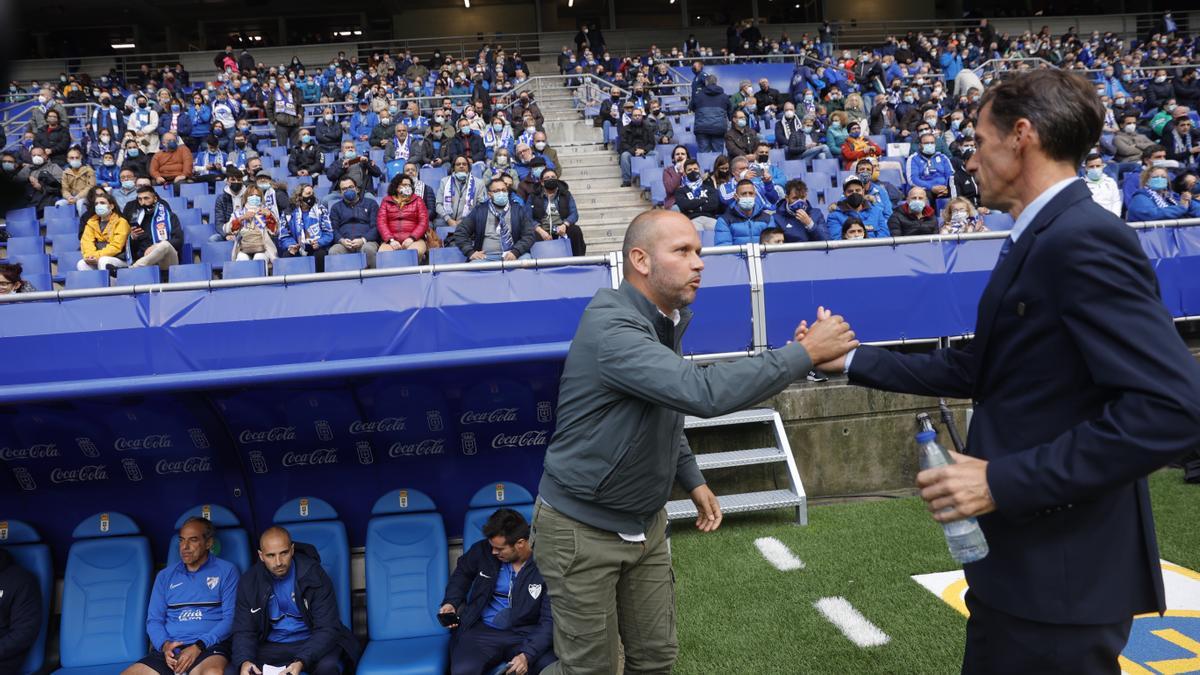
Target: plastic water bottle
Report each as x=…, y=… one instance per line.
x=964, y=537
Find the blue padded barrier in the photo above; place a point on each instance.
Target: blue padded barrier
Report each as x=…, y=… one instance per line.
x=105, y=591
x=722, y=321
x=22, y=541
x=407, y=571
x=232, y=543
x=313, y=521
x=970, y=265
x=1175, y=255
x=485, y=502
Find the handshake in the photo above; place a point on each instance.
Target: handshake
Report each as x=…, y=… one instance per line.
x=827, y=341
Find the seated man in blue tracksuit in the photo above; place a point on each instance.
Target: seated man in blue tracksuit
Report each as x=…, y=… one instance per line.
x=768, y=191
x=743, y=222
x=191, y=608
x=501, y=599
x=287, y=614
x=796, y=218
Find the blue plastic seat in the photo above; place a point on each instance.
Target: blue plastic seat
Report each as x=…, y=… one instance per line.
x=22, y=228
x=346, y=262
x=298, y=265
x=193, y=190
x=63, y=212
x=313, y=521
x=244, y=269
x=197, y=272
x=31, y=263
x=40, y=282
x=26, y=547
x=23, y=216
x=485, y=502
x=216, y=253
x=447, y=255
x=232, y=545
x=555, y=248
x=445, y=232
x=407, y=570
x=26, y=246
x=105, y=590
x=137, y=276
x=388, y=259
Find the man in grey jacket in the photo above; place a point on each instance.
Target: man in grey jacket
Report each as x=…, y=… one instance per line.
x=600, y=522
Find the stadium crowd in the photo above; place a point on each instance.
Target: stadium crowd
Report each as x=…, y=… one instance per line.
x=397, y=152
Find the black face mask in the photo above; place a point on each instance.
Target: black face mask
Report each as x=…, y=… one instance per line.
x=723, y=171
x=551, y=184
x=693, y=176
x=764, y=158
x=855, y=200
x=310, y=200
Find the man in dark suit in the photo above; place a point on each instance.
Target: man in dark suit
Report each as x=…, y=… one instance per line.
x=1081, y=387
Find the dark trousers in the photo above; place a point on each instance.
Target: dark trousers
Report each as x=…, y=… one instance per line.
x=481, y=648
x=578, y=246
x=319, y=254
x=281, y=654
x=1001, y=644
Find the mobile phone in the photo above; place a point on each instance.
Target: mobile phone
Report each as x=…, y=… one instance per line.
x=449, y=619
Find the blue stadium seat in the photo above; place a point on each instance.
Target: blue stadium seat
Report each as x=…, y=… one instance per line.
x=445, y=232
x=447, y=255
x=346, y=262
x=190, y=217
x=26, y=246
x=997, y=221
x=193, y=190
x=826, y=166
x=165, y=191
x=26, y=547
x=41, y=282
x=64, y=242
x=555, y=248
x=485, y=502
x=197, y=272
x=298, y=265
x=431, y=176
x=216, y=253
x=137, y=276
x=197, y=234
x=407, y=569
x=87, y=279
x=389, y=259
x=244, y=269
x=24, y=216
x=105, y=590
x=794, y=168
x=31, y=263
x=64, y=212
x=23, y=228
x=67, y=261
x=232, y=545
x=314, y=521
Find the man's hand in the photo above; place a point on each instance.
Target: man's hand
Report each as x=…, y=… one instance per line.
x=957, y=491
x=294, y=668
x=519, y=665
x=448, y=609
x=407, y=242
x=478, y=255
x=708, y=509
x=180, y=179
x=187, y=659
x=136, y=232
x=546, y=236
x=249, y=668
x=805, y=219
x=293, y=248
x=160, y=180
x=167, y=649
x=829, y=338
x=508, y=256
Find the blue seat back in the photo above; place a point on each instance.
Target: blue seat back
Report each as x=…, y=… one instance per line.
x=196, y=272
x=244, y=269
x=386, y=259
x=447, y=255
x=313, y=521
x=232, y=545
x=137, y=276
x=87, y=279
x=26, y=246
x=216, y=253
x=485, y=502
x=31, y=263
x=22, y=216
x=407, y=566
x=28, y=551
x=345, y=262
x=40, y=282
x=555, y=248
x=297, y=265
x=105, y=590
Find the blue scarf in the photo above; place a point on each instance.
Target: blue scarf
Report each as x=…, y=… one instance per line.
x=306, y=225
x=503, y=226
x=402, y=150
x=468, y=200
x=285, y=102
x=160, y=224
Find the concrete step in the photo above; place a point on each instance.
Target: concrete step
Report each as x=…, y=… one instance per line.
x=601, y=215
x=572, y=132
x=589, y=200
x=578, y=148
x=602, y=158
x=563, y=116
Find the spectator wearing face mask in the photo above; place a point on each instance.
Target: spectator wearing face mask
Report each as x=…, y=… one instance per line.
x=960, y=217
x=796, y=218
x=466, y=143
x=699, y=199
x=174, y=120
x=125, y=191
x=354, y=218
x=554, y=213
x=385, y=131
x=173, y=163
x=1104, y=189
x=541, y=148
x=77, y=179
x=328, y=131
x=1156, y=201
x=501, y=164
x=104, y=238
x=857, y=146
x=854, y=229
x=929, y=168
x=1183, y=143
x=402, y=218
x=856, y=205
x=305, y=158
x=458, y=194
x=155, y=237
x=1129, y=144
x=744, y=221
x=672, y=175
x=254, y=229
x=740, y=139
x=43, y=179
x=46, y=102
x=498, y=136
x=106, y=119
x=883, y=195
x=837, y=133
x=497, y=229
x=637, y=140
x=54, y=138
x=208, y=165
x=359, y=168
x=283, y=109
x=914, y=216
x=105, y=142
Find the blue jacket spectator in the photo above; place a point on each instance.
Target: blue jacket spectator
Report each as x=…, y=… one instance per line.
x=1156, y=201
x=355, y=220
x=794, y=230
x=856, y=205
x=200, y=118
x=183, y=123
x=712, y=109
x=109, y=175
x=951, y=64
x=313, y=225
x=737, y=227
x=928, y=171
x=362, y=123
x=309, y=90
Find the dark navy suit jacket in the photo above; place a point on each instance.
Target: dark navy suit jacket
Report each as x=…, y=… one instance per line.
x=1082, y=386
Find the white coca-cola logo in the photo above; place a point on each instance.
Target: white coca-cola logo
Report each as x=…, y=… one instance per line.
x=39, y=451
x=429, y=446
x=191, y=615
x=151, y=442
x=189, y=465
x=268, y=436
x=489, y=416
x=82, y=474
x=315, y=458
x=378, y=426
x=525, y=440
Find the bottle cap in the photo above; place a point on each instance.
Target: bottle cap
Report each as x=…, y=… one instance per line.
x=926, y=436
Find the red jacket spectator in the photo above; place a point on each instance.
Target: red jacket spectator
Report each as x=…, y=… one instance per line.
x=402, y=220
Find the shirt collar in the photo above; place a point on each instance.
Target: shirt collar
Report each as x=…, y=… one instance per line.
x=674, y=316
x=1036, y=206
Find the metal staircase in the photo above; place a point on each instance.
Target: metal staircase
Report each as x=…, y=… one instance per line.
x=793, y=497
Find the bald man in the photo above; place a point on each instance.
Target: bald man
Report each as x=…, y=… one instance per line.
x=287, y=613
x=600, y=522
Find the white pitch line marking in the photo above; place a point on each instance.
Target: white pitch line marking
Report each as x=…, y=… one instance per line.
x=778, y=554
x=853, y=625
